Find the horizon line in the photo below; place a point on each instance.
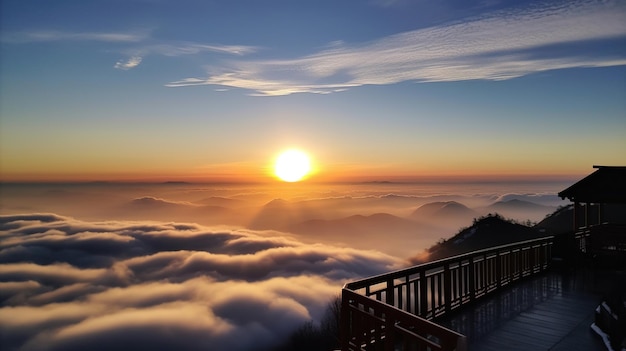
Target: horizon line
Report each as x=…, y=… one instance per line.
x=422, y=180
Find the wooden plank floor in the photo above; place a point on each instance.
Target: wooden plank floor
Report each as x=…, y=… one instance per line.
x=561, y=322
x=550, y=312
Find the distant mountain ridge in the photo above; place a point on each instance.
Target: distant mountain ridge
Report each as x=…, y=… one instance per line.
x=517, y=204
x=444, y=209
x=378, y=222
x=488, y=231
x=519, y=209
x=354, y=221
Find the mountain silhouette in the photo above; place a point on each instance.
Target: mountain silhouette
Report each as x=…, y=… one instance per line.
x=559, y=222
x=444, y=210
x=153, y=203
x=401, y=235
x=519, y=209
x=516, y=204
x=489, y=231
x=280, y=213
x=376, y=223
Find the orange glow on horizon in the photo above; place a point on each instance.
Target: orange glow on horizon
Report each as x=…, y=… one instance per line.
x=259, y=177
x=264, y=172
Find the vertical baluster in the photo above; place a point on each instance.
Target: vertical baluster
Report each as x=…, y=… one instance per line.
x=508, y=266
x=487, y=269
x=455, y=284
x=498, y=270
x=389, y=292
x=423, y=294
x=521, y=262
x=524, y=262
x=447, y=287
x=548, y=254
x=416, y=296
x=401, y=304
x=531, y=259
x=483, y=270
x=475, y=277
x=472, y=285
x=407, y=304
x=431, y=286
x=488, y=262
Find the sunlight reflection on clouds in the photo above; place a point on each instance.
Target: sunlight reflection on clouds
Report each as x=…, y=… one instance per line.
x=69, y=284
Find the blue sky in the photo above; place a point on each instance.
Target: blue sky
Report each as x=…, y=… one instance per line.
x=145, y=89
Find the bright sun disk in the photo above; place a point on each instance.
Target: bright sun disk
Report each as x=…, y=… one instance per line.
x=292, y=165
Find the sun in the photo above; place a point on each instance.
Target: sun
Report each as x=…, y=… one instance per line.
x=292, y=165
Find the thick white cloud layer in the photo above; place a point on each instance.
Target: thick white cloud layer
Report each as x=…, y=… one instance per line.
x=67, y=284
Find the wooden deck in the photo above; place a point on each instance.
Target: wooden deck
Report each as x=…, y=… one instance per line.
x=553, y=311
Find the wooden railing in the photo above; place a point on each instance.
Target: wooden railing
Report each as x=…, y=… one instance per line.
x=395, y=308
x=369, y=324
x=603, y=238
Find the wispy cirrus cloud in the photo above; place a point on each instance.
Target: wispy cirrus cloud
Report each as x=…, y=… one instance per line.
x=139, y=44
x=55, y=35
x=186, y=48
x=136, y=55
x=497, y=46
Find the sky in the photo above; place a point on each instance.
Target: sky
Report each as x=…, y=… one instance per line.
x=372, y=90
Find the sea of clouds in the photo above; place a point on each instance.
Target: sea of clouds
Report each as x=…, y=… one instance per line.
x=68, y=284
x=207, y=267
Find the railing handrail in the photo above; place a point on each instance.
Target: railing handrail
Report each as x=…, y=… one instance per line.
x=384, y=277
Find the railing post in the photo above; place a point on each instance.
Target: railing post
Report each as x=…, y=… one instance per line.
x=423, y=294
x=447, y=287
x=520, y=263
x=345, y=322
x=485, y=274
x=498, y=270
x=472, y=283
x=390, y=293
x=532, y=258
x=407, y=299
